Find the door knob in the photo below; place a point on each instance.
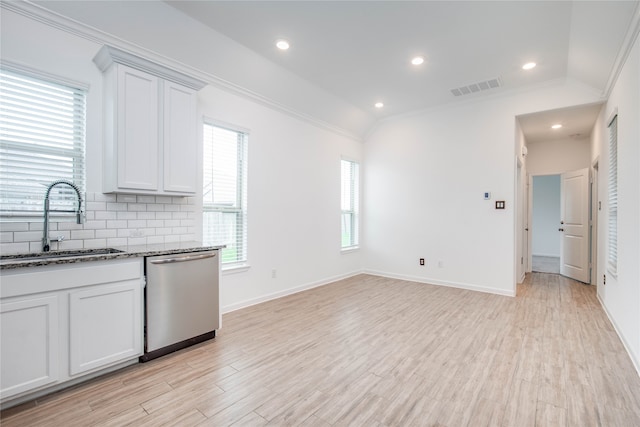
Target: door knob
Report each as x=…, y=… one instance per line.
x=560, y=229
x=561, y=222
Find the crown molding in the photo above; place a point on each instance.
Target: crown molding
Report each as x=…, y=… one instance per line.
x=624, y=52
x=61, y=22
x=109, y=55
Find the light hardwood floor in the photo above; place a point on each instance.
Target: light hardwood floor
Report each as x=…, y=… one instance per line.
x=372, y=351
x=545, y=264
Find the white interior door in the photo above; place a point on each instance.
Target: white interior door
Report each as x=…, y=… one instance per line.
x=574, y=225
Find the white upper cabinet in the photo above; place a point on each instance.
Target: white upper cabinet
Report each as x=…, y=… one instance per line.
x=150, y=144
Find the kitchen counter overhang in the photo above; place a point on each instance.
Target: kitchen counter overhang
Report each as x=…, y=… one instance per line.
x=8, y=262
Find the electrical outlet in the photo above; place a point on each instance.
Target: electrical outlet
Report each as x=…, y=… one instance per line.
x=273, y=273
x=440, y=264
x=421, y=261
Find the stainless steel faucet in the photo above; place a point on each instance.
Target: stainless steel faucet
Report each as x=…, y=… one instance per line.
x=45, y=234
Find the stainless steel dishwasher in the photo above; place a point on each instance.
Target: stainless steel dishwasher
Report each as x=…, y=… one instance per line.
x=182, y=301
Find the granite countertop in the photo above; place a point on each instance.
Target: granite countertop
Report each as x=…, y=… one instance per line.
x=83, y=255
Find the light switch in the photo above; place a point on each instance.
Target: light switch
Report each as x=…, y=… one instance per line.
x=499, y=204
x=487, y=195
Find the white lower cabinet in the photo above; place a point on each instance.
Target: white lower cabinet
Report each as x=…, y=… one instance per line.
x=63, y=322
x=104, y=325
x=29, y=343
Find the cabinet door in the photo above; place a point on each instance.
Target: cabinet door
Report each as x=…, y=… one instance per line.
x=105, y=325
x=180, y=140
x=29, y=336
x=137, y=129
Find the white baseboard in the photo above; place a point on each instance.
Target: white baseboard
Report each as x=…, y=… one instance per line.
x=522, y=277
x=627, y=347
x=268, y=297
x=466, y=286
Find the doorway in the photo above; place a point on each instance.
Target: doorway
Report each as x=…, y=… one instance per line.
x=545, y=217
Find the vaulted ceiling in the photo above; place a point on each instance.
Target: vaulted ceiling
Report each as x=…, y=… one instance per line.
x=345, y=56
x=361, y=50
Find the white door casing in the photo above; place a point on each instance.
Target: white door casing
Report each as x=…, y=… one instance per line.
x=574, y=226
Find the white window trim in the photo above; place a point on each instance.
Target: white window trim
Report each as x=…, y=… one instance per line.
x=612, y=269
x=239, y=266
x=356, y=247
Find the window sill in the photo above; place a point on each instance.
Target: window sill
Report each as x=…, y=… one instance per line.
x=350, y=249
x=234, y=269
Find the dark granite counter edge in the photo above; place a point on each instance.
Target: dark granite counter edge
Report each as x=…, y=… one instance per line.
x=8, y=263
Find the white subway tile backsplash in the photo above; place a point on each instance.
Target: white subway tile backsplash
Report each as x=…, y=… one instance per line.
x=82, y=234
x=106, y=215
x=95, y=243
x=100, y=197
x=120, y=223
x=116, y=206
x=95, y=225
x=126, y=198
x=117, y=241
x=14, y=226
x=136, y=223
x=146, y=199
x=96, y=206
x=70, y=244
x=146, y=215
x=110, y=220
x=127, y=215
x=69, y=226
x=155, y=208
x=152, y=240
x=103, y=234
x=26, y=236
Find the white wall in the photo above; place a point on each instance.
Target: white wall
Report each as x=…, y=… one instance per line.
x=558, y=156
x=621, y=293
x=425, y=178
x=294, y=174
x=546, y=216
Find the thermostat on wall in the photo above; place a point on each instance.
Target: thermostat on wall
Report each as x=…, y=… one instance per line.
x=487, y=195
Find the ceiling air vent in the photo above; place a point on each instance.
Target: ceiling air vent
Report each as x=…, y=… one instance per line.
x=476, y=87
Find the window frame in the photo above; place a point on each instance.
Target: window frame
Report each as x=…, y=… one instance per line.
x=77, y=172
x=241, y=194
x=612, y=196
x=354, y=212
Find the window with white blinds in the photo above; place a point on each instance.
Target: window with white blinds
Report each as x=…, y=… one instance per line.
x=42, y=139
x=350, y=197
x=225, y=192
x=612, y=256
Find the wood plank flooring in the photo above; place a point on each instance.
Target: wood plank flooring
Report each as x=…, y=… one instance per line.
x=372, y=351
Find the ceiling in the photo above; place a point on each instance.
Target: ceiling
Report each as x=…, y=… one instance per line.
x=360, y=51
x=347, y=55
x=577, y=123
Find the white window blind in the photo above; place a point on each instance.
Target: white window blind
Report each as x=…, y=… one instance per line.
x=350, y=196
x=613, y=197
x=42, y=139
x=225, y=192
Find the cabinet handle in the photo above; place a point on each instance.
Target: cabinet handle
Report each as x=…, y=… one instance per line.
x=182, y=259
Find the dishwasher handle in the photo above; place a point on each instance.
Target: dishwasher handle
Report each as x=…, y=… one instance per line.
x=183, y=259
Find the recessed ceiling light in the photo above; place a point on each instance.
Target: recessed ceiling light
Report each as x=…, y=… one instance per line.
x=418, y=60
x=556, y=126
x=378, y=105
x=282, y=44
x=529, y=65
